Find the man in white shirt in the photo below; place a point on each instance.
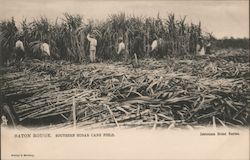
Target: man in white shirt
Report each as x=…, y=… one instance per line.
x=19, y=50
x=121, y=46
x=200, y=51
x=45, y=50
x=122, y=52
x=158, y=47
x=154, y=47
x=92, y=48
x=19, y=45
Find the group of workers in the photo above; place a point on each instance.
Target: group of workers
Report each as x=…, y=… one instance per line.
x=122, y=52
x=44, y=49
x=202, y=48
x=19, y=50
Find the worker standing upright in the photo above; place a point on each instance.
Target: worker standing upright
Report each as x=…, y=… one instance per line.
x=92, y=48
x=208, y=47
x=200, y=51
x=122, y=52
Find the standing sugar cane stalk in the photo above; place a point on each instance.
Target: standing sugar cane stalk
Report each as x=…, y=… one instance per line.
x=92, y=48
x=137, y=47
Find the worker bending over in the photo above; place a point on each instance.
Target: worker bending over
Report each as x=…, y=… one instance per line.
x=45, y=50
x=158, y=48
x=19, y=50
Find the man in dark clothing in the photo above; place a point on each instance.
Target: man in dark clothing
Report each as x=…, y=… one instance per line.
x=208, y=48
x=200, y=51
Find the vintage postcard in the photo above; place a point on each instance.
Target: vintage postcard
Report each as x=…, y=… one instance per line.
x=122, y=79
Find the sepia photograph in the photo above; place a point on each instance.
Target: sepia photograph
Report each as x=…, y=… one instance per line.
x=124, y=68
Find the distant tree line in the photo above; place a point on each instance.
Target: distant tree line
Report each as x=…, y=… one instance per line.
x=231, y=42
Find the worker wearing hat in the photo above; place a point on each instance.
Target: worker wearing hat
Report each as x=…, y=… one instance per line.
x=19, y=49
x=122, y=52
x=92, y=49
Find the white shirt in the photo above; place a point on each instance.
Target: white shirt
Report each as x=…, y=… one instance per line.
x=93, y=42
x=121, y=47
x=45, y=48
x=154, y=45
x=200, y=51
x=19, y=45
x=209, y=44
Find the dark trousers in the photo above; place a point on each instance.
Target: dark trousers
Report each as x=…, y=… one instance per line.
x=19, y=54
x=44, y=56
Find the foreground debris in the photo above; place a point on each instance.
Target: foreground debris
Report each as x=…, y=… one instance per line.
x=170, y=93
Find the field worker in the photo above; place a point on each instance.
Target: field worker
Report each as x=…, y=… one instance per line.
x=45, y=50
x=157, y=47
x=200, y=51
x=92, y=48
x=154, y=47
x=121, y=45
x=19, y=50
x=208, y=47
x=122, y=52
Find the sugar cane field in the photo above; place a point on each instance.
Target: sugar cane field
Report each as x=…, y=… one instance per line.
x=170, y=87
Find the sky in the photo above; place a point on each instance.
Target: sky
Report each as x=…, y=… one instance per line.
x=224, y=18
